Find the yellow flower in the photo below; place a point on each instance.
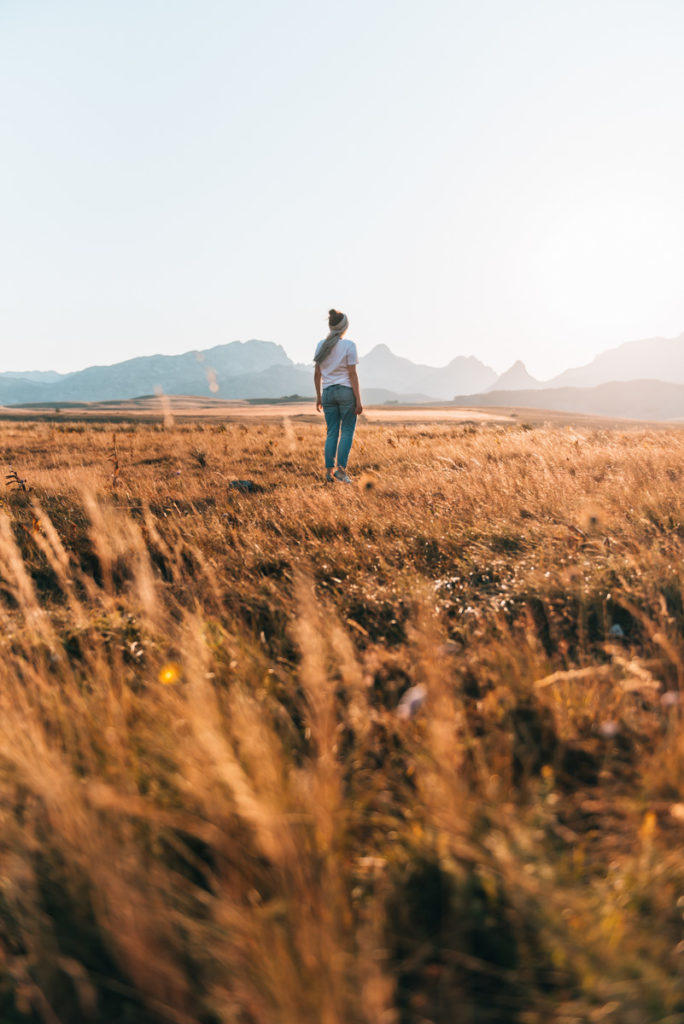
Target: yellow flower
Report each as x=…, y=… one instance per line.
x=648, y=827
x=169, y=673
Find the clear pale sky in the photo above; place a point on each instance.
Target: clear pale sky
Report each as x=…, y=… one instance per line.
x=501, y=178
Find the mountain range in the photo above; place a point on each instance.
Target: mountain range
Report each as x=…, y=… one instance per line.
x=251, y=369
x=262, y=369
x=622, y=399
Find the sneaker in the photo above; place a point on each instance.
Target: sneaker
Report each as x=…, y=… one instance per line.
x=341, y=475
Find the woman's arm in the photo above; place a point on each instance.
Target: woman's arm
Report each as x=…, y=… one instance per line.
x=317, y=382
x=354, y=381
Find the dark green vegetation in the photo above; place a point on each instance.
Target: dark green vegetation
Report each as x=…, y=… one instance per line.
x=213, y=811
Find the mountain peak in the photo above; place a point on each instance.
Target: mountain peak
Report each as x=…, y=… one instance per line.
x=654, y=358
x=516, y=378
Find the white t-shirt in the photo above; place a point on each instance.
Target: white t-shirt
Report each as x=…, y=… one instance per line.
x=335, y=366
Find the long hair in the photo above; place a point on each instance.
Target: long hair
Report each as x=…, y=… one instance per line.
x=337, y=325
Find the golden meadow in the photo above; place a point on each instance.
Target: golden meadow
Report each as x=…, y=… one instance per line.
x=404, y=752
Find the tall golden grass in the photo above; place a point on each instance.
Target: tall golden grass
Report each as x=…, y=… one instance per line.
x=218, y=805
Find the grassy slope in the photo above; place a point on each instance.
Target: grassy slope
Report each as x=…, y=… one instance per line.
x=212, y=811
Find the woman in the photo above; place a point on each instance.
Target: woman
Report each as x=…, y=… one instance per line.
x=336, y=360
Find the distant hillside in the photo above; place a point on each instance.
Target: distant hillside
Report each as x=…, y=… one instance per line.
x=382, y=369
x=380, y=396
x=15, y=391
x=636, y=399
x=198, y=373
x=215, y=371
x=464, y=374
x=272, y=382
x=515, y=379
x=652, y=358
x=40, y=376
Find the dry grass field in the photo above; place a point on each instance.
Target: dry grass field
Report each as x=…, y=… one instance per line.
x=405, y=752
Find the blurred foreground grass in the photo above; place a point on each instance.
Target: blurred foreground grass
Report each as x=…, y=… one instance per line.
x=218, y=805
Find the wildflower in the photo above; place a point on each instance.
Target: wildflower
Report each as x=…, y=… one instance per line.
x=608, y=729
x=648, y=826
x=670, y=699
x=170, y=673
x=412, y=701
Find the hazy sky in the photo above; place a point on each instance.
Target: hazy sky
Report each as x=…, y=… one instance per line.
x=502, y=178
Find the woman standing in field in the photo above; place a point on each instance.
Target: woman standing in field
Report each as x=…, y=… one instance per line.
x=336, y=359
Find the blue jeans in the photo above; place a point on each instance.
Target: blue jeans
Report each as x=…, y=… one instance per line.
x=339, y=408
